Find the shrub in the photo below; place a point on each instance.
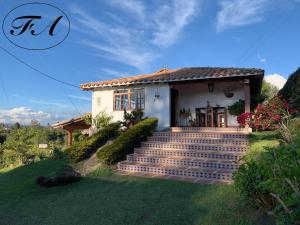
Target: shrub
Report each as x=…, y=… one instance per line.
x=85, y=148
x=133, y=117
x=102, y=120
x=237, y=108
x=127, y=141
x=271, y=180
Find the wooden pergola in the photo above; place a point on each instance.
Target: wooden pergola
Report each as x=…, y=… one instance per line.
x=72, y=124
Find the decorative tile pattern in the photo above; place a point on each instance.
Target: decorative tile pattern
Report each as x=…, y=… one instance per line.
x=182, y=146
x=191, y=154
x=174, y=171
x=212, y=141
x=201, y=135
x=210, y=129
x=185, y=162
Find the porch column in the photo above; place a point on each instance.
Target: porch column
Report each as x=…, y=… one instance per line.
x=247, y=98
x=247, y=95
x=69, y=137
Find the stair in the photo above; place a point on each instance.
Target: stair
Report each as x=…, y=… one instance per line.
x=200, y=155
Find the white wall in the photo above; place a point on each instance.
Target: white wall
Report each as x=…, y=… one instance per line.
x=159, y=108
x=196, y=95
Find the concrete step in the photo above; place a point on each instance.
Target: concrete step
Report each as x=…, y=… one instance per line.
x=203, y=135
x=232, y=156
x=213, y=141
x=183, y=172
x=211, y=129
x=184, y=161
x=192, y=146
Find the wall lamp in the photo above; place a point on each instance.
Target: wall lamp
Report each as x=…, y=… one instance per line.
x=210, y=87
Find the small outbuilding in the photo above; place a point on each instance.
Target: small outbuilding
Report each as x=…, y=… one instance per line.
x=69, y=125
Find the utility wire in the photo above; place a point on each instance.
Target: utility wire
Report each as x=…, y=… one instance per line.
x=37, y=70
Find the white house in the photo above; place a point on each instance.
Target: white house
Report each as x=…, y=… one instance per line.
x=197, y=96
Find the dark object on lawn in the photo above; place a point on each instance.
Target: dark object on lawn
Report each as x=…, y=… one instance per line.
x=66, y=176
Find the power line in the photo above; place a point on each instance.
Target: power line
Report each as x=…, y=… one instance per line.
x=37, y=70
x=72, y=103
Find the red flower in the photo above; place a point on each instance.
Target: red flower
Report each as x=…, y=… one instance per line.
x=285, y=104
x=276, y=117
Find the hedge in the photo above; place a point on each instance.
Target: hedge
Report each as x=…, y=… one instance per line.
x=85, y=148
x=127, y=141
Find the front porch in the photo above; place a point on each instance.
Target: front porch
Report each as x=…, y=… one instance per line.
x=205, y=104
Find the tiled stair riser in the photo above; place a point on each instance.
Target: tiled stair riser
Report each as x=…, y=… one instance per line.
x=199, y=140
x=189, y=153
x=209, y=129
x=200, y=135
x=196, y=163
x=182, y=146
x=181, y=172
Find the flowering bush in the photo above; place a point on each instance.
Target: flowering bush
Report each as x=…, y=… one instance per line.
x=273, y=114
x=244, y=119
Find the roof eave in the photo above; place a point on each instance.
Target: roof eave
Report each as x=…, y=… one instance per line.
x=89, y=86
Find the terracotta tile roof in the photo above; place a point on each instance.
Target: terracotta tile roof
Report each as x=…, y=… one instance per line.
x=182, y=74
x=71, y=121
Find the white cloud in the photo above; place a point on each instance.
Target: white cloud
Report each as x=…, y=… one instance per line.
x=114, y=73
x=115, y=42
x=129, y=55
x=135, y=44
x=276, y=79
x=171, y=19
x=132, y=6
x=235, y=13
x=40, y=101
x=262, y=59
x=88, y=99
x=23, y=115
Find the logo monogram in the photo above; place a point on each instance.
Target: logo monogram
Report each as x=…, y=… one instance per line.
x=44, y=32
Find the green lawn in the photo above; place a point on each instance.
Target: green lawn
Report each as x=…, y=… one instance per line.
x=108, y=199
x=259, y=141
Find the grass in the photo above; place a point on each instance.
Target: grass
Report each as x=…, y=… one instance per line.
x=109, y=199
x=260, y=141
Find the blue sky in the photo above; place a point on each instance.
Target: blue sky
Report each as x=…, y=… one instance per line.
x=113, y=38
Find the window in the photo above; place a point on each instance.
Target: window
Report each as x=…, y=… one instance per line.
x=137, y=99
x=129, y=99
x=98, y=101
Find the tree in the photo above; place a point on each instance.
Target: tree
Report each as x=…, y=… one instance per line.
x=291, y=90
x=16, y=126
x=268, y=90
x=3, y=133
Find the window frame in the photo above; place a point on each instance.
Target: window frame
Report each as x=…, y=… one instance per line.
x=130, y=95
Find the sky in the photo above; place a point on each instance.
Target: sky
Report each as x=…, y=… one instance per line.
x=115, y=38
